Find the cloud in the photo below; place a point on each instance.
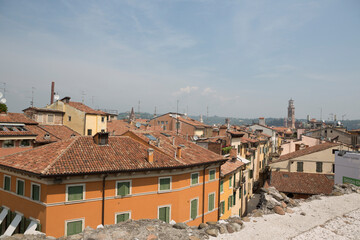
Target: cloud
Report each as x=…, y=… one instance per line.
x=186, y=90
x=208, y=91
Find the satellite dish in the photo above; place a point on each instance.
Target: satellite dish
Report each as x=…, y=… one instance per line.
x=196, y=138
x=1, y=95
x=56, y=97
x=3, y=100
x=138, y=125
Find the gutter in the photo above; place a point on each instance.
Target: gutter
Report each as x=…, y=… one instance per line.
x=103, y=201
x=219, y=210
x=203, y=199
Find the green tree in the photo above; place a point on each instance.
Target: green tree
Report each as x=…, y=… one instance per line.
x=3, y=107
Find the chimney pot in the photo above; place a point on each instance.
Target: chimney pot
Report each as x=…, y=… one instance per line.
x=178, y=152
x=150, y=155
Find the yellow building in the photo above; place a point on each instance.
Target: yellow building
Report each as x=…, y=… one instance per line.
x=81, y=118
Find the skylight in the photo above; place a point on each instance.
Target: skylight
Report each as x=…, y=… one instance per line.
x=151, y=137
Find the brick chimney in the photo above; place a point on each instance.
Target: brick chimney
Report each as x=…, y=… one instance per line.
x=101, y=138
x=52, y=92
x=178, y=152
x=262, y=121
x=150, y=155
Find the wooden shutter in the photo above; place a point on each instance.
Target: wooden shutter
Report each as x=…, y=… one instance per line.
x=20, y=188
x=164, y=214
x=221, y=186
x=194, y=178
x=7, y=183
x=123, y=188
x=122, y=217
x=165, y=184
x=75, y=193
x=212, y=174
x=211, y=202
x=194, y=204
x=74, y=228
x=35, y=192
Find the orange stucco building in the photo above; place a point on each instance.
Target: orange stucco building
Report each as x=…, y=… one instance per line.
x=86, y=181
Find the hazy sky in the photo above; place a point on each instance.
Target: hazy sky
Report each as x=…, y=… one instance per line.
x=240, y=58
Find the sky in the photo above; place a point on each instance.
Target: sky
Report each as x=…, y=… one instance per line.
x=226, y=58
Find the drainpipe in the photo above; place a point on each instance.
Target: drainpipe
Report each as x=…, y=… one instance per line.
x=203, y=200
x=219, y=210
x=103, y=201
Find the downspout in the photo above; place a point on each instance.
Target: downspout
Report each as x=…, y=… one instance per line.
x=103, y=201
x=203, y=200
x=219, y=210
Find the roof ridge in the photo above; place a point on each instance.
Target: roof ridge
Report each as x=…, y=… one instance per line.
x=48, y=132
x=60, y=155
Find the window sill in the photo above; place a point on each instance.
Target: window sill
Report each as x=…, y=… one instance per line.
x=125, y=196
x=164, y=191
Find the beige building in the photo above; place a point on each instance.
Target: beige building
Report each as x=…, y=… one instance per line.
x=81, y=118
x=45, y=115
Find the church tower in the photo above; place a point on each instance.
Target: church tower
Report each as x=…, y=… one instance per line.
x=291, y=114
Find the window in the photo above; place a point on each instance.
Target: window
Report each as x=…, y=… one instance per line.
x=212, y=174
x=178, y=125
x=222, y=207
x=166, y=122
x=8, y=144
x=164, y=183
x=75, y=192
x=333, y=168
x=69, y=118
x=251, y=173
x=7, y=183
x=211, y=202
x=221, y=186
x=35, y=191
x=89, y=132
x=300, y=166
x=24, y=143
x=194, y=208
x=230, y=181
x=102, y=119
x=234, y=199
x=230, y=202
x=74, y=227
x=123, y=188
x=40, y=118
x=319, y=166
x=162, y=122
x=122, y=217
x=164, y=213
x=194, y=178
x=20, y=187
x=50, y=118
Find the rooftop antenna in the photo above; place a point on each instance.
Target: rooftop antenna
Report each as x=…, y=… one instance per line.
x=342, y=117
x=83, y=96
x=177, y=117
x=4, y=89
x=320, y=114
x=139, y=109
x=92, y=100
x=155, y=112
x=207, y=113
x=32, y=97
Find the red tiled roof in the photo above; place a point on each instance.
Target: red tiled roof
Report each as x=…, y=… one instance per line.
x=306, y=151
x=43, y=109
x=61, y=132
x=245, y=140
x=80, y=155
x=230, y=166
x=15, y=118
x=82, y=107
x=236, y=133
x=304, y=183
x=118, y=127
x=40, y=134
x=193, y=122
x=6, y=131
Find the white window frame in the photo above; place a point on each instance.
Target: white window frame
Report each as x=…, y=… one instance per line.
x=197, y=209
x=118, y=213
x=74, y=185
x=31, y=191
x=116, y=188
x=213, y=169
x=158, y=208
x=198, y=178
x=4, y=182
x=231, y=181
x=3, y=144
x=75, y=220
x=19, y=180
x=170, y=184
x=212, y=193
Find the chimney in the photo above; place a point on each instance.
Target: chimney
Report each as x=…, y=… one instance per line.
x=173, y=141
x=178, y=152
x=101, y=138
x=262, y=121
x=52, y=92
x=150, y=155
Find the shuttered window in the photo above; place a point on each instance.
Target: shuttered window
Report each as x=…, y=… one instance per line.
x=319, y=167
x=211, y=201
x=212, y=174
x=164, y=214
x=7, y=183
x=230, y=182
x=20, y=185
x=222, y=207
x=194, y=178
x=122, y=217
x=123, y=188
x=194, y=210
x=35, y=192
x=74, y=227
x=221, y=186
x=165, y=184
x=75, y=192
x=300, y=166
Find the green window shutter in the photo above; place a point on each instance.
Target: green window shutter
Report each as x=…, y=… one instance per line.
x=212, y=174
x=75, y=193
x=20, y=188
x=123, y=188
x=7, y=183
x=194, y=178
x=211, y=202
x=35, y=193
x=165, y=184
x=38, y=228
x=164, y=214
x=194, y=204
x=74, y=228
x=234, y=199
x=222, y=207
x=122, y=217
x=230, y=182
x=221, y=186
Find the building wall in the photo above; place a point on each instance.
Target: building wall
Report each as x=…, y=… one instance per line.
x=347, y=168
x=165, y=122
x=95, y=123
x=224, y=196
x=290, y=146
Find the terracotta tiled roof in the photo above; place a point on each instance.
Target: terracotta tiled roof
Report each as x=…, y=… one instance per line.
x=118, y=127
x=282, y=129
x=16, y=133
x=42, y=136
x=82, y=107
x=80, y=155
x=306, y=151
x=43, y=109
x=304, y=183
x=230, y=166
x=245, y=140
x=237, y=133
x=193, y=122
x=59, y=131
x=15, y=118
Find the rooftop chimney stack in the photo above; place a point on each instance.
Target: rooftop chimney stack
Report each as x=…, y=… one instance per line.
x=262, y=121
x=52, y=92
x=150, y=155
x=178, y=152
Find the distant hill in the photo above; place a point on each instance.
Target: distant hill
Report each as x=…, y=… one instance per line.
x=211, y=120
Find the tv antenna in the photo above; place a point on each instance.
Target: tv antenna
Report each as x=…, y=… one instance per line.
x=83, y=96
x=32, y=96
x=56, y=97
x=4, y=89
